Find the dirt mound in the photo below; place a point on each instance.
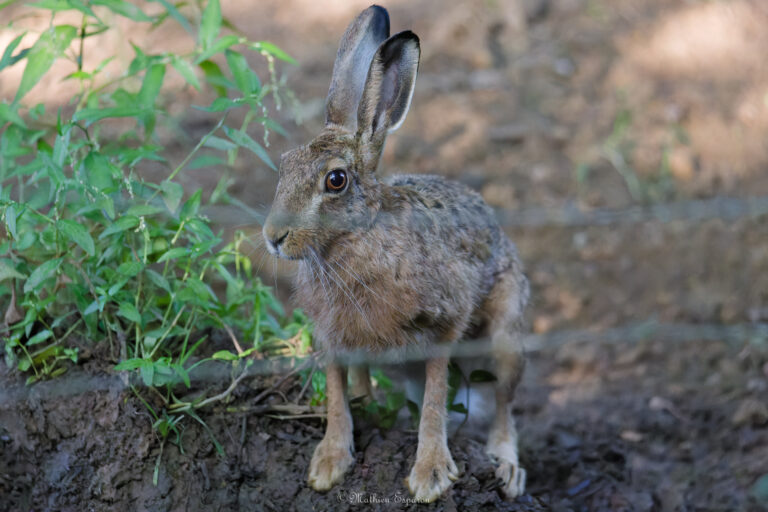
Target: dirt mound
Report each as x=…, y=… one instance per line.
x=654, y=428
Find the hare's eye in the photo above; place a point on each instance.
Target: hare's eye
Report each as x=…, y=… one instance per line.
x=336, y=180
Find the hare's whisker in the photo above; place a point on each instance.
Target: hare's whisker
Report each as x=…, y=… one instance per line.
x=352, y=297
x=262, y=261
x=319, y=275
x=340, y=283
x=274, y=272
x=357, y=278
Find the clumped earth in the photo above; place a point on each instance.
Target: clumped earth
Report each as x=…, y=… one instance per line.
x=534, y=107
x=601, y=428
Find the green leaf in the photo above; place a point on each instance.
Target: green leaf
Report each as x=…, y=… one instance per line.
x=205, y=161
x=175, y=14
x=272, y=125
x=182, y=372
x=79, y=75
x=382, y=380
x=10, y=114
x=243, y=139
x=39, y=337
x=64, y=5
x=481, y=376
x=129, y=312
x=210, y=23
x=7, y=59
x=10, y=220
x=395, y=400
x=130, y=268
x=102, y=65
x=8, y=272
x=89, y=115
x=140, y=210
x=224, y=355
x=108, y=205
x=271, y=49
x=245, y=79
x=191, y=205
x=214, y=76
x=96, y=305
x=172, y=194
x=760, y=490
x=40, y=274
x=174, y=253
x=124, y=8
x=131, y=364
x=117, y=286
x=221, y=104
x=150, y=86
x=61, y=146
x=147, y=373
x=99, y=171
x=121, y=224
x=218, y=47
x=158, y=280
x=77, y=233
x=140, y=60
x=200, y=228
x=40, y=58
x=454, y=383
x=186, y=71
x=219, y=143
x=197, y=293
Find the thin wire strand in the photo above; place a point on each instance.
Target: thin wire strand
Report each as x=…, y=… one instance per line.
x=735, y=336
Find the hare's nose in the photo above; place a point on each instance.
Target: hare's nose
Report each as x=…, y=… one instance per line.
x=277, y=238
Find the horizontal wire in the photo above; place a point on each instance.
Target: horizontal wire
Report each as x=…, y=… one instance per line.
x=725, y=208
x=574, y=215
x=735, y=336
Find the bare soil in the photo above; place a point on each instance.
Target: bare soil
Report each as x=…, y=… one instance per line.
x=523, y=106
x=601, y=428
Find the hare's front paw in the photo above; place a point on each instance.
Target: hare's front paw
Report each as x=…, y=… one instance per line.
x=510, y=473
x=432, y=474
x=331, y=460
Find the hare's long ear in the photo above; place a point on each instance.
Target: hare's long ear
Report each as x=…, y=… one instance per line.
x=387, y=94
x=356, y=49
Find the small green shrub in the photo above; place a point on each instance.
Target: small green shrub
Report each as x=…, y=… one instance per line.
x=91, y=250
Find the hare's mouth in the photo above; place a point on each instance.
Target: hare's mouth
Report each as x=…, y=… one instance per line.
x=288, y=247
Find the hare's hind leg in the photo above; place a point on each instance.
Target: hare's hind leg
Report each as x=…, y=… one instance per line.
x=504, y=308
x=333, y=456
x=360, y=382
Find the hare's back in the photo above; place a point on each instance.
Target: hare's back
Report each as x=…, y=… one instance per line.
x=441, y=192
x=450, y=216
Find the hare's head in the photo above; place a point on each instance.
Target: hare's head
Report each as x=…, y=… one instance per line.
x=329, y=187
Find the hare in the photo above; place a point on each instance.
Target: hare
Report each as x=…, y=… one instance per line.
x=401, y=262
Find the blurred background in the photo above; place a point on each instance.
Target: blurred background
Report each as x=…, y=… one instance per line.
x=624, y=144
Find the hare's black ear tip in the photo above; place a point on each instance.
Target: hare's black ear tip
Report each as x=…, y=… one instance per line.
x=406, y=36
x=381, y=17
x=379, y=10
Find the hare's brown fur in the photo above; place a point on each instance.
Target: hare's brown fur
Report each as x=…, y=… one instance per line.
x=427, y=231
x=409, y=261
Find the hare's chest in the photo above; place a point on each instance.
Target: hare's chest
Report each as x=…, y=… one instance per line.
x=352, y=310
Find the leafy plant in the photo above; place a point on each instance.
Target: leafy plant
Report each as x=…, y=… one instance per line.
x=90, y=249
x=385, y=414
